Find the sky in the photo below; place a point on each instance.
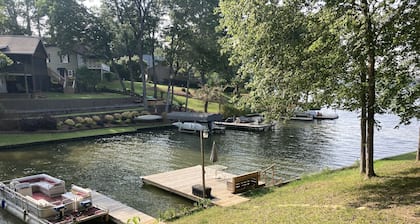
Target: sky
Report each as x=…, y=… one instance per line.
x=90, y=3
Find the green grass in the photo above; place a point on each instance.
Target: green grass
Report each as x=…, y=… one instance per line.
x=193, y=104
x=35, y=137
x=342, y=196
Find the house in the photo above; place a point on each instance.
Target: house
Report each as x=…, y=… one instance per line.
x=63, y=66
x=28, y=73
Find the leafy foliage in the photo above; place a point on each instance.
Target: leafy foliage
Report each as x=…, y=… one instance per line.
x=87, y=79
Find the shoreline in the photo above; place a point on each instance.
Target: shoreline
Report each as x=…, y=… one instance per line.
x=69, y=136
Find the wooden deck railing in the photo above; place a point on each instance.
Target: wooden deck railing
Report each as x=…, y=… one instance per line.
x=268, y=175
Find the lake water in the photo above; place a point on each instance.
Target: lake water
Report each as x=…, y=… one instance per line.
x=114, y=165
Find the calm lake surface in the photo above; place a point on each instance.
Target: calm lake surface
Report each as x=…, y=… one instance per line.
x=114, y=165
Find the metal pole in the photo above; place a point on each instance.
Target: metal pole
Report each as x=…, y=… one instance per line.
x=202, y=164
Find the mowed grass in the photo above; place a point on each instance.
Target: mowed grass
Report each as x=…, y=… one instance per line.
x=193, y=103
x=342, y=196
x=36, y=137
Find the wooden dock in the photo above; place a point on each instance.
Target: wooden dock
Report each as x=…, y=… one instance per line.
x=180, y=182
x=246, y=126
x=118, y=212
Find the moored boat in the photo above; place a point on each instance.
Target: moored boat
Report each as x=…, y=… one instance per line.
x=42, y=199
x=189, y=127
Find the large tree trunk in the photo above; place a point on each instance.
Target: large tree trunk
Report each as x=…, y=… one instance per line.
x=371, y=90
x=363, y=124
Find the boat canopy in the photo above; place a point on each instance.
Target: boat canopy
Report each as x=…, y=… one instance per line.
x=194, y=117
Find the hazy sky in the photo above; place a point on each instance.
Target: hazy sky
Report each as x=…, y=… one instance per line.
x=90, y=3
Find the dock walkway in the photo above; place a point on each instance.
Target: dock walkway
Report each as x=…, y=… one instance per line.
x=181, y=181
x=119, y=212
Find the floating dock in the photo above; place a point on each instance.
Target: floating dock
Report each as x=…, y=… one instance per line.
x=246, y=126
x=119, y=212
x=180, y=182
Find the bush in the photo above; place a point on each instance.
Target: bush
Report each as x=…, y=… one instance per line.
x=78, y=125
x=117, y=121
x=80, y=120
x=126, y=115
x=89, y=121
x=230, y=111
x=59, y=124
x=108, y=118
x=69, y=122
x=96, y=118
x=128, y=121
x=135, y=114
x=117, y=116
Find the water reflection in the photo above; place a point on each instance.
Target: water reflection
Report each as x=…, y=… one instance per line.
x=114, y=165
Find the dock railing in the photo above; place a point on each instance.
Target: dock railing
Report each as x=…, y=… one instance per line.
x=268, y=175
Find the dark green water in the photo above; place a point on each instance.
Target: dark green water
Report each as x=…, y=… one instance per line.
x=114, y=165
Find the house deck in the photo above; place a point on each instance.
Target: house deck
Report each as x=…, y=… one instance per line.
x=180, y=182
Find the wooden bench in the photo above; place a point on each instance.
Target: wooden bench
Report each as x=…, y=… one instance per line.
x=243, y=182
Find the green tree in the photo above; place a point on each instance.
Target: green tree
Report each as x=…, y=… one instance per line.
x=355, y=55
x=4, y=60
x=87, y=79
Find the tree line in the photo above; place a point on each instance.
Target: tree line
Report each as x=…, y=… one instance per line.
x=286, y=54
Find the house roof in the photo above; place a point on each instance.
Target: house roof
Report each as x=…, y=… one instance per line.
x=19, y=44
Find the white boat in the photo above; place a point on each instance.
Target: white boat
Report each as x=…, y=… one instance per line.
x=190, y=127
x=42, y=199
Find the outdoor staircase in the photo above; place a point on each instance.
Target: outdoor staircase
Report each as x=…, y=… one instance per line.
x=68, y=83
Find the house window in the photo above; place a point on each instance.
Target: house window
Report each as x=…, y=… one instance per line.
x=70, y=73
x=64, y=58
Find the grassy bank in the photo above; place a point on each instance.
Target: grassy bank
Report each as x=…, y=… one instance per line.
x=34, y=137
x=332, y=197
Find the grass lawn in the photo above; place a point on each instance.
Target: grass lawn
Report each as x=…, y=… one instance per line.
x=194, y=104
x=332, y=197
x=34, y=137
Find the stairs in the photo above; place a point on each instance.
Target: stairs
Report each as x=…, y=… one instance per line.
x=68, y=83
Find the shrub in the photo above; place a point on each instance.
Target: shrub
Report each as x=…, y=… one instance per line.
x=69, y=122
x=230, y=111
x=126, y=115
x=135, y=114
x=117, y=121
x=128, y=121
x=117, y=116
x=96, y=118
x=59, y=124
x=89, y=121
x=78, y=125
x=80, y=120
x=108, y=118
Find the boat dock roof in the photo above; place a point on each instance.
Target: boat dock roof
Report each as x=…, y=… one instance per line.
x=194, y=117
x=180, y=182
x=119, y=212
